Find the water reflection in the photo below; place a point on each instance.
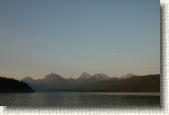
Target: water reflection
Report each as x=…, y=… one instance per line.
x=79, y=99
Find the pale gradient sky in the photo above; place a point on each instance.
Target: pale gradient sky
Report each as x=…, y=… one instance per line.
x=68, y=37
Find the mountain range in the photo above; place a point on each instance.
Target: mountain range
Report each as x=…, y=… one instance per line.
x=96, y=83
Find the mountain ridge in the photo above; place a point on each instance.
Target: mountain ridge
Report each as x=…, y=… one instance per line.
x=97, y=82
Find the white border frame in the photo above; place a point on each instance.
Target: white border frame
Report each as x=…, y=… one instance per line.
x=163, y=110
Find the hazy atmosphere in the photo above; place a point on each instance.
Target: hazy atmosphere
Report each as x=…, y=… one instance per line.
x=69, y=37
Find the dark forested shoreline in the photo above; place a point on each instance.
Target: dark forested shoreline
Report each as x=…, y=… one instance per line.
x=8, y=85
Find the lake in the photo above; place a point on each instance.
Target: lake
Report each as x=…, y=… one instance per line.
x=85, y=99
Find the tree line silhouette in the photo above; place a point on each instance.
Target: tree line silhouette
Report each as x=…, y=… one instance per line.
x=9, y=85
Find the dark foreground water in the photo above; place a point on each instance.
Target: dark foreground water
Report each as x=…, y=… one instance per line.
x=75, y=99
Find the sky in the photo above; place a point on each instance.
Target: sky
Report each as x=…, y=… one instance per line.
x=69, y=37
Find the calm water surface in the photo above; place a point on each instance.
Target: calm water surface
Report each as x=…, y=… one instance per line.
x=74, y=99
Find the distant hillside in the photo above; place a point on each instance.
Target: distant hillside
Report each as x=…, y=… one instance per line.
x=149, y=83
x=8, y=85
x=49, y=82
x=96, y=83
